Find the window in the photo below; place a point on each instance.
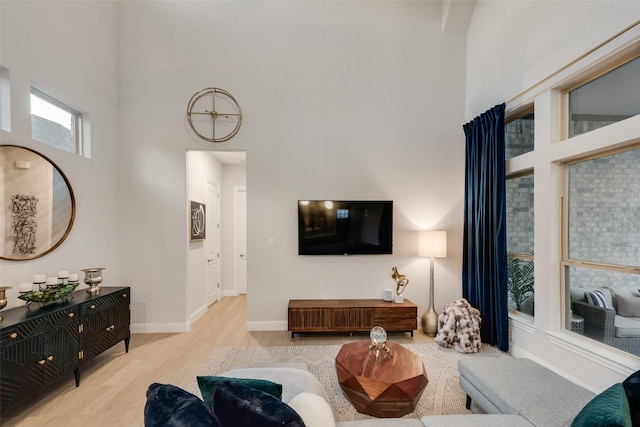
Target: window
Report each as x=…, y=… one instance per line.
x=5, y=99
x=602, y=251
x=519, y=201
x=518, y=134
x=54, y=123
x=608, y=99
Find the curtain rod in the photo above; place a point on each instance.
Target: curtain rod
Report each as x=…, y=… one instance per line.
x=589, y=52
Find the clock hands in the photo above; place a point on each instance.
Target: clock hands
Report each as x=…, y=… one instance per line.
x=215, y=114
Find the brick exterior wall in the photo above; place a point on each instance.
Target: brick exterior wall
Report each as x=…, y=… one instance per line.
x=604, y=217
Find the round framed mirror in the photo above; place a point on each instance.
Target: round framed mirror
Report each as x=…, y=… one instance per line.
x=38, y=204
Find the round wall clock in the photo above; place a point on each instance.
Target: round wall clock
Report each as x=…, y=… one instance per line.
x=214, y=114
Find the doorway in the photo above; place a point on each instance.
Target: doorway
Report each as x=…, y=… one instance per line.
x=211, y=273
x=233, y=217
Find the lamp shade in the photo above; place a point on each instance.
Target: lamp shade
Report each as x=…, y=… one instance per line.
x=432, y=244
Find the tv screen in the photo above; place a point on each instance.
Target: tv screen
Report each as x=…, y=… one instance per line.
x=331, y=227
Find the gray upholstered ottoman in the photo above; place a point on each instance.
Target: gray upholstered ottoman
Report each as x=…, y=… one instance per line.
x=521, y=386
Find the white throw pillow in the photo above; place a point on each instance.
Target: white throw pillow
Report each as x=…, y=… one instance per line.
x=628, y=304
x=313, y=409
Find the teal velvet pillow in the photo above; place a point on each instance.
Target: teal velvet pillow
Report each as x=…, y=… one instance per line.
x=608, y=409
x=208, y=385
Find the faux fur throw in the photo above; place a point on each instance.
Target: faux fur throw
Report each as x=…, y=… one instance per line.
x=459, y=327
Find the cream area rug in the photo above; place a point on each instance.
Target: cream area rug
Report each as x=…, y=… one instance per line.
x=443, y=394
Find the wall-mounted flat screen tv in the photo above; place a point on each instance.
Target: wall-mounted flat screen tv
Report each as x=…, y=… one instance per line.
x=339, y=227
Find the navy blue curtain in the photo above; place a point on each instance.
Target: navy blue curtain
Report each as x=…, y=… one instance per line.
x=484, y=259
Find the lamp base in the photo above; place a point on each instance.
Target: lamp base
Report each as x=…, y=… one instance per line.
x=429, y=322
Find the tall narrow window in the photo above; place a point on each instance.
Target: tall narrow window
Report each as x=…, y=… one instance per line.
x=519, y=201
x=602, y=254
x=612, y=97
x=5, y=99
x=54, y=123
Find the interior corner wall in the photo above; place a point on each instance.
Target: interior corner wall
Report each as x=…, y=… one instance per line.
x=35, y=45
x=502, y=62
x=341, y=100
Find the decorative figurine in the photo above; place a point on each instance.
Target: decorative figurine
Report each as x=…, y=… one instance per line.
x=401, y=284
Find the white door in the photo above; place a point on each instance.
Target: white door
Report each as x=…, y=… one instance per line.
x=213, y=243
x=240, y=239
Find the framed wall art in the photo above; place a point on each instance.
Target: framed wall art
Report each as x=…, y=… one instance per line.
x=198, y=220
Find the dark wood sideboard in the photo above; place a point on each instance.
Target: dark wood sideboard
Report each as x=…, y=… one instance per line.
x=38, y=345
x=351, y=315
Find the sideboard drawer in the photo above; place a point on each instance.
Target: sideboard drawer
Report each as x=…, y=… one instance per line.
x=38, y=325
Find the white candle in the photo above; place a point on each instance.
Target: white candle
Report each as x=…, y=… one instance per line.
x=64, y=274
x=73, y=277
x=39, y=278
x=25, y=287
x=52, y=280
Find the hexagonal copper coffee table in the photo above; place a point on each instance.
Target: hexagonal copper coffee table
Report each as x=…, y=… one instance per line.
x=388, y=388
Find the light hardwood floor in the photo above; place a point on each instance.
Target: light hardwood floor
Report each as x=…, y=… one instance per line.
x=113, y=385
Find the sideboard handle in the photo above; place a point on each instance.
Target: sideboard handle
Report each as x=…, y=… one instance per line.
x=13, y=336
x=71, y=314
x=50, y=358
x=42, y=362
x=124, y=295
x=93, y=306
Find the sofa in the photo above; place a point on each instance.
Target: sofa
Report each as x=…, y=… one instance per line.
x=613, y=319
x=516, y=393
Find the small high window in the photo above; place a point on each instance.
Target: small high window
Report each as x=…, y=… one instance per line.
x=54, y=123
x=5, y=99
x=608, y=99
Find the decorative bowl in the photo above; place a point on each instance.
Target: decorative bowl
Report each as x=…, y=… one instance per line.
x=93, y=277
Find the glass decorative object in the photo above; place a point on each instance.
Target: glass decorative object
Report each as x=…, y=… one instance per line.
x=378, y=344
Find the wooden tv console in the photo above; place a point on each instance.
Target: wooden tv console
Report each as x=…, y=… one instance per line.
x=351, y=315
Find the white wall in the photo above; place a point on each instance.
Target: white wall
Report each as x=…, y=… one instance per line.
x=69, y=50
x=513, y=45
x=353, y=100
x=502, y=62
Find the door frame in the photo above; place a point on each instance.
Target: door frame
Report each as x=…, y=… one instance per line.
x=236, y=233
x=213, y=228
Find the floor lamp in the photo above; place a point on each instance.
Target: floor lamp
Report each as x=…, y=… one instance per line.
x=431, y=244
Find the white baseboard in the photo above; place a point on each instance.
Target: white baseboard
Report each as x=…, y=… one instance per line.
x=273, y=325
x=197, y=314
x=230, y=293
